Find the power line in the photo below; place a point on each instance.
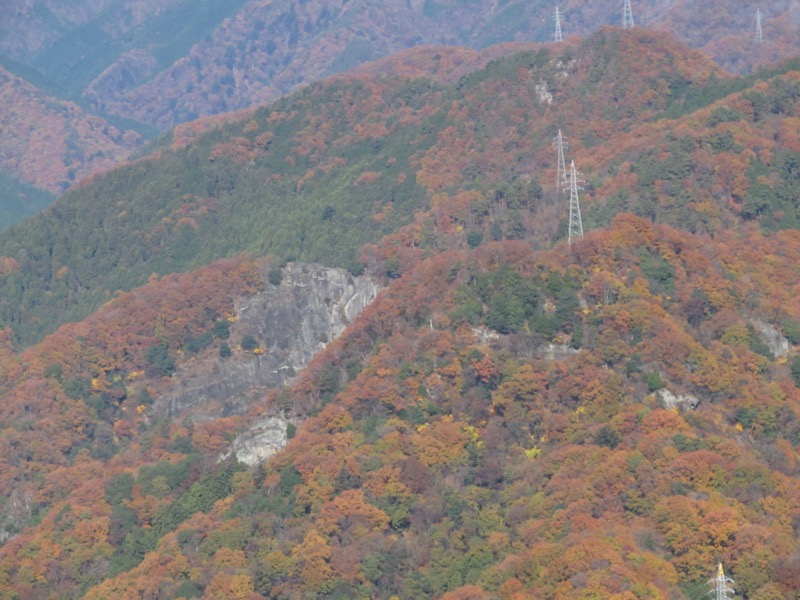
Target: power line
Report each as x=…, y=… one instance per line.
x=559, y=143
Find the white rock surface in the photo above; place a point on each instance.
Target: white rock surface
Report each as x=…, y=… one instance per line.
x=671, y=401
x=265, y=437
x=777, y=344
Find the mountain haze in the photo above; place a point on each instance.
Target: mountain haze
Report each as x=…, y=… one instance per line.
x=50, y=144
x=220, y=56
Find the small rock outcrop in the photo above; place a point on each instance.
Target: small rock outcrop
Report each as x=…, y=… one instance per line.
x=264, y=437
x=556, y=351
x=672, y=401
x=777, y=344
x=290, y=322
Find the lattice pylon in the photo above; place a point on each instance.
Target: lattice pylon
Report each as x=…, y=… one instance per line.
x=759, y=32
x=722, y=584
x=558, y=37
x=575, y=222
x=627, y=15
x=559, y=143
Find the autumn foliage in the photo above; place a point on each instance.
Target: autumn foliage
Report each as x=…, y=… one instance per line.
x=512, y=417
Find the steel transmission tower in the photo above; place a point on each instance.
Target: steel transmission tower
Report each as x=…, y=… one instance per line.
x=627, y=16
x=559, y=143
x=575, y=222
x=759, y=33
x=722, y=585
x=557, y=16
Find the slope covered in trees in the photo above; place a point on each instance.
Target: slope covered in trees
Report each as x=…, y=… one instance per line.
x=507, y=420
x=352, y=159
x=155, y=64
x=163, y=63
x=445, y=452
x=81, y=393
x=49, y=144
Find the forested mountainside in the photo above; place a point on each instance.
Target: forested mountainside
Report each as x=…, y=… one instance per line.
x=511, y=417
x=50, y=144
x=656, y=128
x=444, y=447
x=163, y=63
x=160, y=63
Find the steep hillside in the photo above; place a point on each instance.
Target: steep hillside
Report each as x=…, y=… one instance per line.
x=511, y=417
x=271, y=47
x=441, y=450
x=157, y=64
x=354, y=158
x=62, y=398
x=69, y=44
x=50, y=144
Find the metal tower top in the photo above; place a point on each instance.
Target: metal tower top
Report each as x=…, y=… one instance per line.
x=723, y=587
x=557, y=16
x=627, y=15
x=759, y=33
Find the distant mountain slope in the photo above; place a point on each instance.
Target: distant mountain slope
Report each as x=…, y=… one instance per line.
x=161, y=63
x=164, y=63
x=49, y=143
x=71, y=43
x=726, y=30
x=271, y=47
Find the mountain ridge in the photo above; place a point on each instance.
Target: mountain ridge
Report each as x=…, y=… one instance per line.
x=159, y=64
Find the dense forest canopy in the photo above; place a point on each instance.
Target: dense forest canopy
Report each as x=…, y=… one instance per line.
x=344, y=162
x=512, y=417
x=442, y=452
x=82, y=81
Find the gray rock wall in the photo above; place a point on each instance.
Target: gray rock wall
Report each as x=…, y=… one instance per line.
x=291, y=322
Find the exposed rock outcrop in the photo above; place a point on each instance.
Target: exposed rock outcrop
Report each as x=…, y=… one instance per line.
x=672, y=401
x=556, y=351
x=264, y=437
x=777, y=344
x=291, y=322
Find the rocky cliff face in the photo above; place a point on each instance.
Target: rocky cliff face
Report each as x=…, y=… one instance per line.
x=777, y=344
x=290, y=322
